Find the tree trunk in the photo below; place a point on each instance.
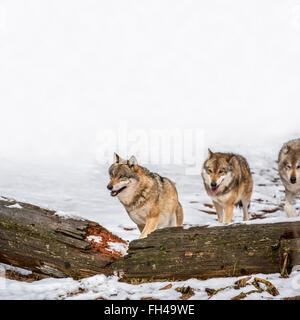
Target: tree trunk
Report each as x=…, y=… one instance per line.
x=204, y=252
x=37, y=239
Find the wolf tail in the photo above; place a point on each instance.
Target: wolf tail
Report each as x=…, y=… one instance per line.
x=179, y=214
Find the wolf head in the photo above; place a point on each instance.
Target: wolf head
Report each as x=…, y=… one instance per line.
x=217, y=172
x=289, y=164
x=123, y=175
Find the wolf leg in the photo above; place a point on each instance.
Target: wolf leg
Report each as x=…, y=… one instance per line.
x=172, y=221
x=179, y=215
x=289, y=201
x=245, y=209
x=219, y=210
x=150, y=226
x=228, y=212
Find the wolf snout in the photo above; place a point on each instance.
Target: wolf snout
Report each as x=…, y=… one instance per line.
x=213, y=184
x=293, y=180
x=109, y=186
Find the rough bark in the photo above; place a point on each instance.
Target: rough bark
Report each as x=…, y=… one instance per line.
x=39, y=240
x=204, y=252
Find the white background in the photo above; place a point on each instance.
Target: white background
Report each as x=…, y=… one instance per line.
x=70, y=68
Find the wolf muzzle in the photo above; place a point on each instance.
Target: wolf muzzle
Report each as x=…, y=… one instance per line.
x=293, y=180
x=109, y=186
x=214, y=187
x=114, y=192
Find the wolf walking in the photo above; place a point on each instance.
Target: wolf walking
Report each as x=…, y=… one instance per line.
x=150, y=200
x=228, y=182
x=289, y=171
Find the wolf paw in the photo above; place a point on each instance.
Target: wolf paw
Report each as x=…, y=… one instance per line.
x=289, y=210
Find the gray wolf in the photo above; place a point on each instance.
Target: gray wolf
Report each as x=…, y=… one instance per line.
x=289, y=171
x=228, y=182
x=150, y=200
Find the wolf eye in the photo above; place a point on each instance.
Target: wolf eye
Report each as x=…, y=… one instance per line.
x=288, y=166
x=298, y=167
x=209, y=171
x=221, y=171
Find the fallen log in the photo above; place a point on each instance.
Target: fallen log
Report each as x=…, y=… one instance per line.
x=208, y=252
x=39, y=240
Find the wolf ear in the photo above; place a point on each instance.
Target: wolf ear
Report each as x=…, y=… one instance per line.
x=118, y=159
x=233, y=161
x=210, y=153
x=132, y=161
x=286, y=149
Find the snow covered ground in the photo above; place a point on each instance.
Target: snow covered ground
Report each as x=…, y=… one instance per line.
x=80, y=190
x=101, y=287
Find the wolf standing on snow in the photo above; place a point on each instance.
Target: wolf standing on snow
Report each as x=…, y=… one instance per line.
x=228, y=181
x=289, y=171
x=150, y=200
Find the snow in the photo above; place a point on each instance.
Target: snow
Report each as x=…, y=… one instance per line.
x=16, y=206
x=119, y=247
x=16, y=269
x=97, y=239
x=102, y=287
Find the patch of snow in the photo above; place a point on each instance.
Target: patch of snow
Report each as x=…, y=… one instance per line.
x=7, y=199
x=16, y=269
x=68, y=215
x=97, y=239
x=16, y=206
x=119, y=247
x=296, y=268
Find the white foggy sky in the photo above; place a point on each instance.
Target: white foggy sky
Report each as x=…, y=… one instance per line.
x=69, y=68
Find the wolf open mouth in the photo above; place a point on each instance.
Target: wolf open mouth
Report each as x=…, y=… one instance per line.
x=214, y=190
x=116, y=192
